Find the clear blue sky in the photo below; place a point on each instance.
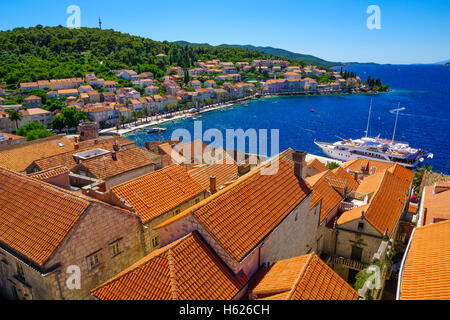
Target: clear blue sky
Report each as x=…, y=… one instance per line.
x=412, y=31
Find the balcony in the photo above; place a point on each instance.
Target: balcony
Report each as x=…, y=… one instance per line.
x=352, y=264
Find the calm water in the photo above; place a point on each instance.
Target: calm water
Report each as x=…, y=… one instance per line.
x=423, y=90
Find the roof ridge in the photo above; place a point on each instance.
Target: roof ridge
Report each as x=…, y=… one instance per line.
x=302, y=272
x=172, y=275
x=368, y=217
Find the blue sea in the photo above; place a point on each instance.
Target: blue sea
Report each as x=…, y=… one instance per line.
x=423, y=90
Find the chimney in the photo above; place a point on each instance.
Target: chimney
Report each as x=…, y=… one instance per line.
x=299, y=160
x=147, y=145
x=76, y=146
x=212, y=184
x=114, y=156
x=116, y=145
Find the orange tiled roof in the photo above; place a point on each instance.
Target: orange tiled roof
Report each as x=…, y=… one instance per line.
x=324, y=184
x=436, y=205
x=302, y=278
x=222, y=171
x=343, y=174
x=242, y=214
x=164, y=189
x=105, y=167
x=186, y=269
x=18, y=157
x=403, y=173
x=356, y=164
x=49, y=173
x=35, y=217
x=426, y=273
x=316, y=164
x=66, y=158
x=371, y=183
x=385, y=206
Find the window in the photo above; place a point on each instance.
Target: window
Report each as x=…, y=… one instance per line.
x=155, y=242
x=356, y=253
x=116, y=248
x=176, y=212
x=20, y=271
x=360, y=226
x=197, y=201
x=93, y=260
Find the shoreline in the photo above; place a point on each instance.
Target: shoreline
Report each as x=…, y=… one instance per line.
x=182, y=115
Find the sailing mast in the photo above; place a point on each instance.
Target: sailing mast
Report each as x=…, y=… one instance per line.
x=368, y=120
x=396, y=118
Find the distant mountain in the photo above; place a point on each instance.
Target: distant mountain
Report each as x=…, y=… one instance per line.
x=443, y=62
x=308, y=59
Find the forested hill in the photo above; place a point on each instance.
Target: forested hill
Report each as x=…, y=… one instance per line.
x=37, y=53
x=307, y=59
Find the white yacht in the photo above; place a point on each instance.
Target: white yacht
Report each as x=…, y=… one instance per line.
x=375, y=148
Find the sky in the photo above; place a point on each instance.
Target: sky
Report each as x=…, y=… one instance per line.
x=411, y=31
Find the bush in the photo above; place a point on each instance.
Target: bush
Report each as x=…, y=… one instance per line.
x=24, y=130
x=333, y=165
x=38, y=134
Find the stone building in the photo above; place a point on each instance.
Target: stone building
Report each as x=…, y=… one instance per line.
x=372, y=216
x=186, y=269
x=58, y=245
x=259, y=219
x=88, y=130
x=155, y=198
x=305, y=277
x=116, y=167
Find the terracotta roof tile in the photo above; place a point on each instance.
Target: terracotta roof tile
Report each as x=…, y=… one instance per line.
x=386, y=205
x=324, y=185
x=356, y=164
x=105, y=167
x=242, y=214
x=426, y=273
x=49, y=173
x=158, y=192
x=436, y=205
x=222, y=171
x=319, y=166
x=343, y=174
x=35, y=217
x=67, y=159
x=186, y=269
x=19, y=157
x=303, y=278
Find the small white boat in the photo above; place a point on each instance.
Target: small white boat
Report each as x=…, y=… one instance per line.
x=154, y=130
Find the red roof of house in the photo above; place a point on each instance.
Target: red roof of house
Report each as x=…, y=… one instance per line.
x=186, y=269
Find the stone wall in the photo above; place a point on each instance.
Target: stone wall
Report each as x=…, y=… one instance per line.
x=150, y=234
x=100, y=228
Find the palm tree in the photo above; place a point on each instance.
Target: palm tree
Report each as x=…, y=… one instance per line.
x=122, y=119
x=145, y=112
x=134, y=115
x=15, y=116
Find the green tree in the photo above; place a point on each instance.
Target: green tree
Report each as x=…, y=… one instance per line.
x=333, y=165
x=70, y=117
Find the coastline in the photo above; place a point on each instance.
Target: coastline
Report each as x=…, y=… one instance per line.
x=181, y=115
